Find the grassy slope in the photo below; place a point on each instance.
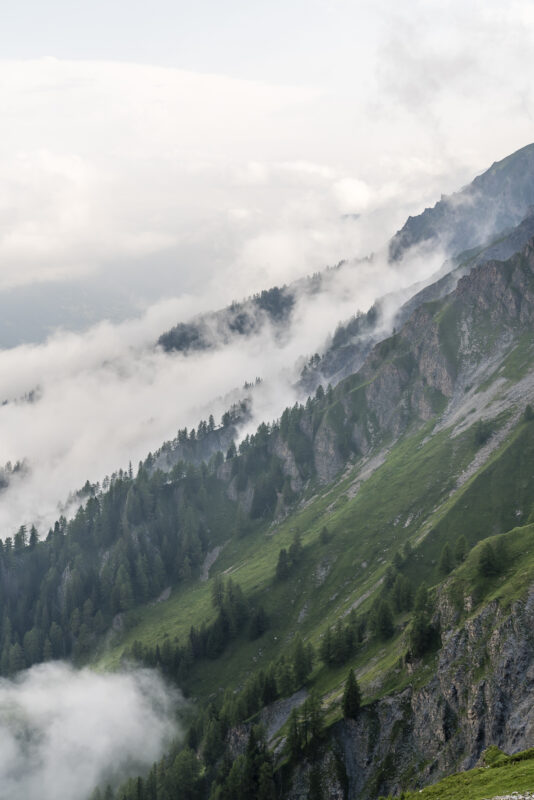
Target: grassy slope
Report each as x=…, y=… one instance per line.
x=409, y=494
x=509, y=774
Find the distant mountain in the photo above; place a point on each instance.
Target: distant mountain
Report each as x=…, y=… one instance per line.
x=496, y=200
x=491, y=218
x=353, y=339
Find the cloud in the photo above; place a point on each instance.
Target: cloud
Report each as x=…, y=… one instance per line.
x=448, y=71
x=102, y=164
x=63, y=731
x=109, y=396
x=352, y=195
x=114, y=169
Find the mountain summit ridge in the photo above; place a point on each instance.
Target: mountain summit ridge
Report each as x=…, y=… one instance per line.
x=497, y=199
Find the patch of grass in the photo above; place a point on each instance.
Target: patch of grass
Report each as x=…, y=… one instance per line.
x=518, y=362
x=497, y=498
x=365, y=530
x=367, y=523
x=517, y=570
x=506, y=775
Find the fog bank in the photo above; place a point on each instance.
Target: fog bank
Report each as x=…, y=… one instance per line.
x=81, y=406
x=63, y=731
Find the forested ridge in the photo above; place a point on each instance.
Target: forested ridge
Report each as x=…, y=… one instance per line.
x=121, y=548
x=136, y=535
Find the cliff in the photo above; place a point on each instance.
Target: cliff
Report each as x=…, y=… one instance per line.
x=480, y=693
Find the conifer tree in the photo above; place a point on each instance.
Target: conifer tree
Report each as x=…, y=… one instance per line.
x=282, y=567
x=351, y=697
x=302, y=661
x=266, y=787
x=445, y=560
x=293, y=743
x=461, y=549
x=421, y=599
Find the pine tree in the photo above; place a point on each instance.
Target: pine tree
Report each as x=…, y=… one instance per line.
x=217, y=592
x=315, y=717
x=421, y=599
x=301, y=662
x=383, y=620
x=284, y=678
x=461, y=549
x=16, y=658
x=293, y=742
x=266, y=786
x=422, y=635
x=487, y=562
x=351, y=697
x=445, y=560
x=325, y=648
x=34, y=538
x=282, y=567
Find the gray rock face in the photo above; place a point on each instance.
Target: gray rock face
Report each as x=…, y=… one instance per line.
x=494, y=201
x=328, y=461
x=408, y=377
x=281, y=449
x=482, y=693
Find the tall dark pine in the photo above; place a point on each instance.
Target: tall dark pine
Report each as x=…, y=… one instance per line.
x=352, y=698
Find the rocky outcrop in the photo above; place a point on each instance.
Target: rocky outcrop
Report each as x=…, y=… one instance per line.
x=501, y=291
x=281, y=450
x=494, y=201
x=406, y=379
x=481, y=694
x=327, y=458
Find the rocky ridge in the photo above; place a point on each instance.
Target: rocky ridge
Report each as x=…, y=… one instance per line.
x=480, y=694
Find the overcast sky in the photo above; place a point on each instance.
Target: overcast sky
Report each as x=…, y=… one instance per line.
x=167, y=144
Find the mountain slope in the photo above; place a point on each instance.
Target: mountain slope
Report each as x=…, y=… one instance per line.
x=319, y=531
x=496, y=200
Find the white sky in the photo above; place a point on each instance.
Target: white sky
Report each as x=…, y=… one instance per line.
x=272, y=41
x=191, y=140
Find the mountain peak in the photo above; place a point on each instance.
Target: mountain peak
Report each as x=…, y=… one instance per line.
x=494, y=201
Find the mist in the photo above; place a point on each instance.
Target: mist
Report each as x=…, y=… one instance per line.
x=81, y=406
x=63, y=731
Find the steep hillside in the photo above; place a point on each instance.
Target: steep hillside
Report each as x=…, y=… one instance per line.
x=256, y=580
x=491, y=218
x=509, y=777
x=353, y=339
x=388, y=520
x=496, y=200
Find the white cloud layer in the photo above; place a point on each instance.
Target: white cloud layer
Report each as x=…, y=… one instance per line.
x=63, y=731
x=109, y=396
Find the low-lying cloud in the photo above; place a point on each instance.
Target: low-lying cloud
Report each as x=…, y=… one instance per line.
x=109, y=396
x=63, y=731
